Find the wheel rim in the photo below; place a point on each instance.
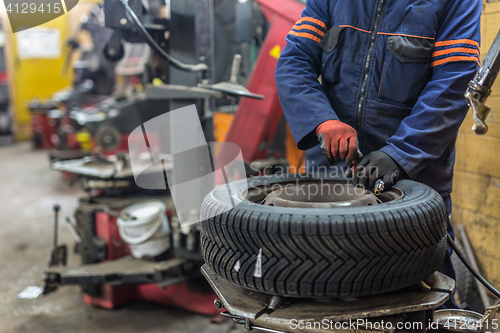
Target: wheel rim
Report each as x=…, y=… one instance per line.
x=318, y=194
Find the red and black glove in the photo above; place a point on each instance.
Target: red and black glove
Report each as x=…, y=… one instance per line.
x=340, y=138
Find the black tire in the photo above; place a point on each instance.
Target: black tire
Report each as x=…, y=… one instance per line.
x=317, y=252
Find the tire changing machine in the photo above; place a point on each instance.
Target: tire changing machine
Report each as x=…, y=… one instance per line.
x=408, y=310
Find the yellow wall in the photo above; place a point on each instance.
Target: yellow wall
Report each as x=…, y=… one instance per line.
x=476, y=194
x=39, y=78
x=31, y=78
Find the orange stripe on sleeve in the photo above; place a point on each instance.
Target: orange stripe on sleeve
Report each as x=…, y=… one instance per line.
x=455, y=50
x=309, y=27
x=306, y=35
x=457, y=41
x=451, y=59
x=313, y=20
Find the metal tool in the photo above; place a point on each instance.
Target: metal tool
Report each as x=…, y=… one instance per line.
x=480, y=87
x=59, y=254
x=350, y=161
x=379, y=187
x=232, y=88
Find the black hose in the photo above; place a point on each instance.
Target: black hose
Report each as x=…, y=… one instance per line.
x=152, y=43
x=471, y=269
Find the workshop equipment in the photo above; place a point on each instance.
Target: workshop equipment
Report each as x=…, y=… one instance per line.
x=42, y=130
x=263, y=116
x=59, y=123
x=232, y=88
x=479, y=88
x=410, y=308
x=59, y=255
x=111, y=277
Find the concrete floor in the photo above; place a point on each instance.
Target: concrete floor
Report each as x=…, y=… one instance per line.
x=28, y=190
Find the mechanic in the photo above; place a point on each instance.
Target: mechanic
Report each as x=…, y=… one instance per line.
x=389, y=74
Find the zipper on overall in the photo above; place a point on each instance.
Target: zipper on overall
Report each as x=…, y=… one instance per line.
x=369, y=57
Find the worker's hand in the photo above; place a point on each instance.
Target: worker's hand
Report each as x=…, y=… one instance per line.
x=340, y=138
x=374, y=166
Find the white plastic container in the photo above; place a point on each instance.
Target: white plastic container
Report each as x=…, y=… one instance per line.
x=146, y=231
